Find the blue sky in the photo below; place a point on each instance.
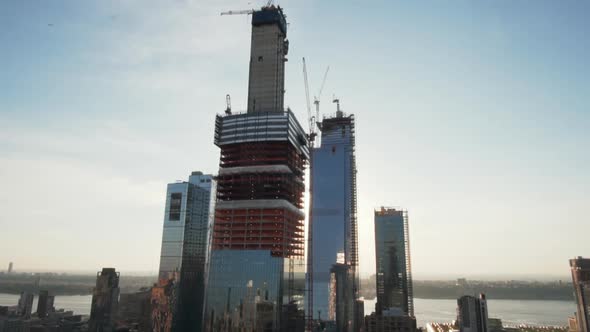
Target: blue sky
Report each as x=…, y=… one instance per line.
x=472, y=115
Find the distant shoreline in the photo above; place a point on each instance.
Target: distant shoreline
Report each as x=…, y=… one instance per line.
x=421, y=298
x=490, y=299
x=71, y=285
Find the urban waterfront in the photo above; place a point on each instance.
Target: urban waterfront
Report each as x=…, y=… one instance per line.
x=79, y=304
x=124, y=152
x=512, y=312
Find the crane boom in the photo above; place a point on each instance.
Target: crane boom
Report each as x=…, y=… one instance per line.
x=323, y=83
x=316, y=100
x=238, y=12
x=246, y=11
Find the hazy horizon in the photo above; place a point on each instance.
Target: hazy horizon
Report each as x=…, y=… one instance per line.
x=473, y=116
x=435, y=277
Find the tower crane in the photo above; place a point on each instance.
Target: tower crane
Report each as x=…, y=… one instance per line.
x=238, y=12
x=246, y=11
x=314, y=119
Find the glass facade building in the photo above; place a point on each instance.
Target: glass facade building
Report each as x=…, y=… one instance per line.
x=472, y=314
x=392, y=254
x=178, y=296
x=581, y=280
x=340, y=306
x=25, y=304
x=334, y=230
x=45, y=304
x=248, y=290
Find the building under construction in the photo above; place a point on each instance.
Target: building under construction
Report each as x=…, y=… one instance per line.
x=256, y=270
x=334, y=230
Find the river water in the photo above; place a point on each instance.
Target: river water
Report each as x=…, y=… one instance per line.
x=512, y=312
x=79, y=304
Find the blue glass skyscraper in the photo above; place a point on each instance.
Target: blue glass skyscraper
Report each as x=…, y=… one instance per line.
x=581, y=281
x=334, y=230
x=392, y=254
x=179, y=295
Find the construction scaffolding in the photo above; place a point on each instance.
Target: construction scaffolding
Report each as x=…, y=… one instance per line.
x=336, y=221
x=354, y=262
x=309, y=272
x=259, y=208
x=408, y=265
x=277, y=230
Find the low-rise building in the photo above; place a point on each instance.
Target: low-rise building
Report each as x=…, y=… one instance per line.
x=441, y=327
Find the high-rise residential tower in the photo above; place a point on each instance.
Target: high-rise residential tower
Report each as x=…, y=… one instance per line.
x=179, y=295
x=257, y=251
x=472, y=314
x=581, y=280
x=393, y=264
x=341, y=297
x=45, y=304
x=334, y=216
x=25, y=304
x=105, y=301
x=10, y=266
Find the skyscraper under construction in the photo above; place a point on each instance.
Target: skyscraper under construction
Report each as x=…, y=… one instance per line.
x=257, y=246
x=334, y=229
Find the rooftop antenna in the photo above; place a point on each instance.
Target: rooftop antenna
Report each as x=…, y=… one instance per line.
x=228, y=104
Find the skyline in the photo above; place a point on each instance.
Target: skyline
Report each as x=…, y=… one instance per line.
x=151, y=98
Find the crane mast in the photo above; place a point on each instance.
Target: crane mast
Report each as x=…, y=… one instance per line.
x=309, y=275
